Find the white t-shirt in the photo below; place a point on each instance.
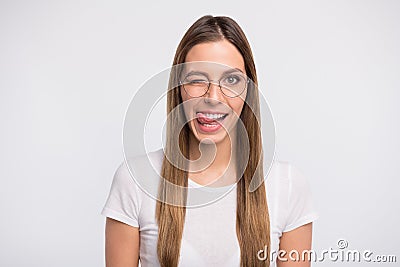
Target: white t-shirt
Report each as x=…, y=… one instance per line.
x=209, y=235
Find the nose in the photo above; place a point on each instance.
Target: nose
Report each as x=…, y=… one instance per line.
x=214, y=94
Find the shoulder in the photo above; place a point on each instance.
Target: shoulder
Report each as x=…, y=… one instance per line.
x=144, y=170
x=151, y=159
x=277, y=176
x=285, y=174
x=128, y=200
x=132, y=174
x=289, y=196
x=295, y=196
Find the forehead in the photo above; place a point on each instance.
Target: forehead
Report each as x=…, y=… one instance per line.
x=224, y=55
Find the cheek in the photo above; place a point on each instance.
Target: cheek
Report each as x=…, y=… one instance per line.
x=237, y=105
x=185, y=104
x=188, y=105
x=182, y=93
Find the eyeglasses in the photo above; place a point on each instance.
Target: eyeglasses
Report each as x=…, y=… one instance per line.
x=198, y=84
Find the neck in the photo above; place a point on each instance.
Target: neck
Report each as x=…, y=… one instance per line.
x=213, y=163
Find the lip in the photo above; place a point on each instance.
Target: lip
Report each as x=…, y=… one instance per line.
x=208, y=126
x=211, y=112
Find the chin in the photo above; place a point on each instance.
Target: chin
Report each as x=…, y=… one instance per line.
x=208, y=140
x=208, y=137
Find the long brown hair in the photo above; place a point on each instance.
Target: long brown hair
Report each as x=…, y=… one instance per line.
x=252, y=217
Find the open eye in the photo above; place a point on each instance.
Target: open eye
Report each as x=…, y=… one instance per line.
x=231, y=79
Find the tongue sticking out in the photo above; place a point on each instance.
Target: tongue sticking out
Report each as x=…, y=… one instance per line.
x=204, y=119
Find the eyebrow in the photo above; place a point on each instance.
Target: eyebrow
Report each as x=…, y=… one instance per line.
x=206, y=74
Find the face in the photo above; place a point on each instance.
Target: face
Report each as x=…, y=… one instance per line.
x=214, y=114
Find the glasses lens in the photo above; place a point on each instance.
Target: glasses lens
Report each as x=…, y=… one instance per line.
x=195, y=84
x=233, y=84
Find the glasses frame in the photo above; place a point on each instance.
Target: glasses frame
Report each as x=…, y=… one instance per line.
x=220, y=87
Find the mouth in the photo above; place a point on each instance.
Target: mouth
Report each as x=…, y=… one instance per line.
x=210, y=121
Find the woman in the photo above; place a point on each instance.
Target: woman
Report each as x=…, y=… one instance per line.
x=221, y=107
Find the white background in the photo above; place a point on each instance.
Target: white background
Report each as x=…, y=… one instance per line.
x=68, y=70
